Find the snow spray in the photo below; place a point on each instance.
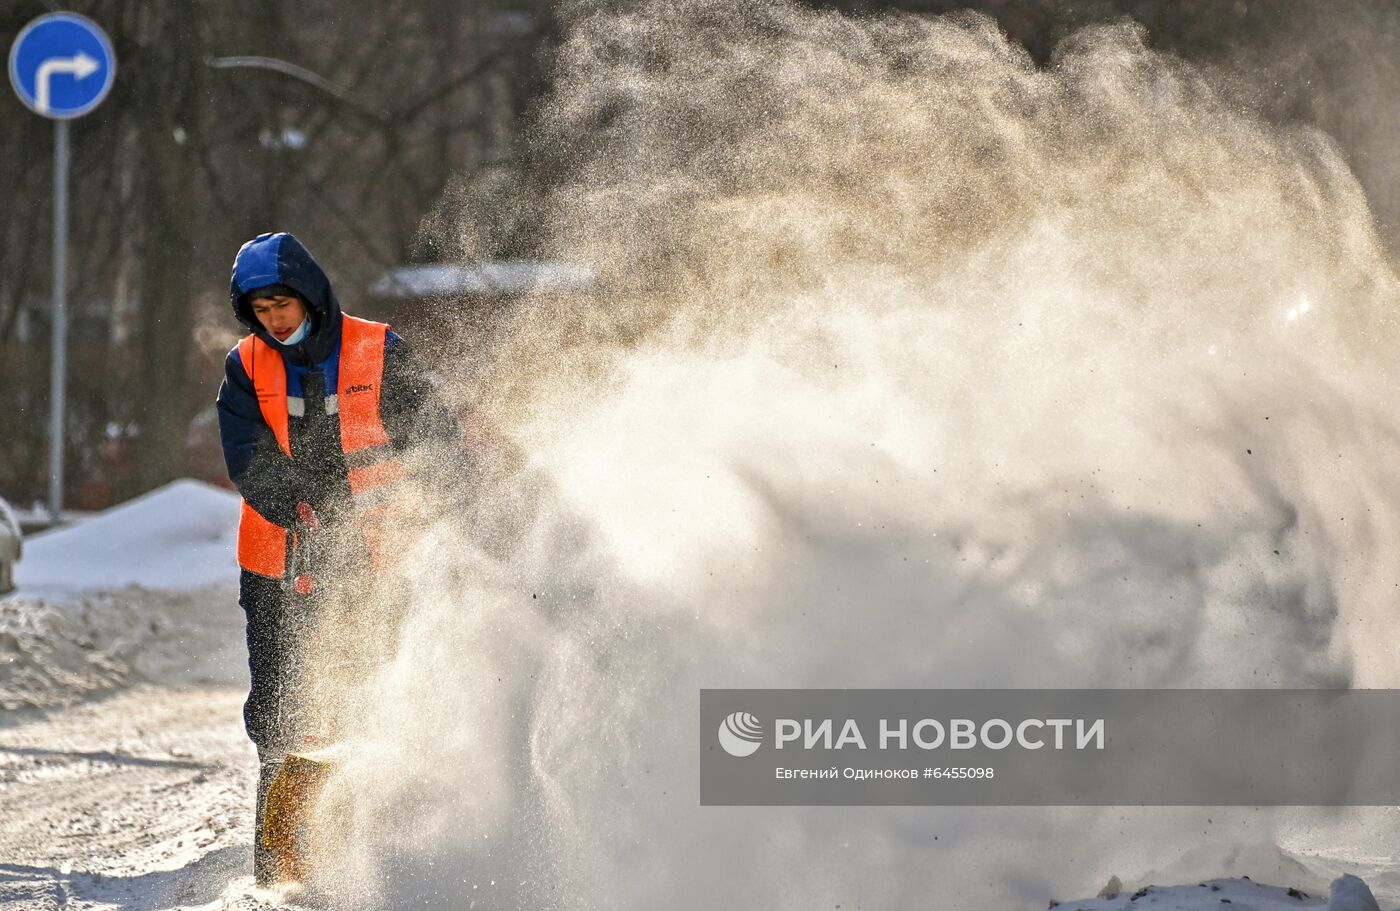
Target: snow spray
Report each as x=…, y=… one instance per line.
x=907, y=363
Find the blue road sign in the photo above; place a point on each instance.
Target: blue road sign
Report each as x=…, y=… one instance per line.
x=62, y=65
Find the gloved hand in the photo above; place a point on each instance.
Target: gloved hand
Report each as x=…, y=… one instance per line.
x=307, y=516
x=303, y=557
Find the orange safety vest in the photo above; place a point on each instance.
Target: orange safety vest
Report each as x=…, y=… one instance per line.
x=369, y=457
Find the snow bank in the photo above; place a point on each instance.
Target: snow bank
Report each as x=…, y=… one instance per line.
x=146, y=591
x=55, y=654
x=1348, y=893
x=176, y=538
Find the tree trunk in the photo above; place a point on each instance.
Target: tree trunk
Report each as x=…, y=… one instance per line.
x=169, y=128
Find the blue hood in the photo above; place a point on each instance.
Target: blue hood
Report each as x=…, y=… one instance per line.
x=280, y=259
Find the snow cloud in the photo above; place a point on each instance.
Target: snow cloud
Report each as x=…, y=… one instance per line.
x=909, y=364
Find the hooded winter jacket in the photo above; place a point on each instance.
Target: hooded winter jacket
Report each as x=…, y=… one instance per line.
x=272, y=479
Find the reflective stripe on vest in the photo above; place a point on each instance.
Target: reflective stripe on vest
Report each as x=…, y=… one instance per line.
x=369, y=457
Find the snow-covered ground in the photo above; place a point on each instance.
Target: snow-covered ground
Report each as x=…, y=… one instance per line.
x=124, y=772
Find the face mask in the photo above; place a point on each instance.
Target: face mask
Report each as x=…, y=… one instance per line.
x=296, y=337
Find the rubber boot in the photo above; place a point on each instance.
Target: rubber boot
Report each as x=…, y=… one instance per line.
x=265, y=872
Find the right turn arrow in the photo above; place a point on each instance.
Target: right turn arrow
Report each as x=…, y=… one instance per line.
x=79, y=66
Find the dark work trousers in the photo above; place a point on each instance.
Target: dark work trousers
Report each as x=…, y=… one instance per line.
x=279, y=627
x=278, y=630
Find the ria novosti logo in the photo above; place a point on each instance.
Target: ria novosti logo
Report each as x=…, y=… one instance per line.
x=740, y=734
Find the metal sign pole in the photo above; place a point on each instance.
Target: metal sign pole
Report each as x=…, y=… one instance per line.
x=60, y=316
x=61, y=66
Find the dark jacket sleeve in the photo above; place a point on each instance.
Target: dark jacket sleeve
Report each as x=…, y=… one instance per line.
x=265, y=476
x=411, y=406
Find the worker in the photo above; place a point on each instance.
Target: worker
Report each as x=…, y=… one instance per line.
x=317, y=411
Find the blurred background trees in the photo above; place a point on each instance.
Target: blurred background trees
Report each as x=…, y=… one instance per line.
x=356, y=124
x=207, y=139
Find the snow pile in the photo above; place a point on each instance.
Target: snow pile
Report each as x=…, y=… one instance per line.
x=1348, y=893
x=145, y=591
x=1351, y=894
x=48, y=657
x=176, y=538
x=59, y=653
